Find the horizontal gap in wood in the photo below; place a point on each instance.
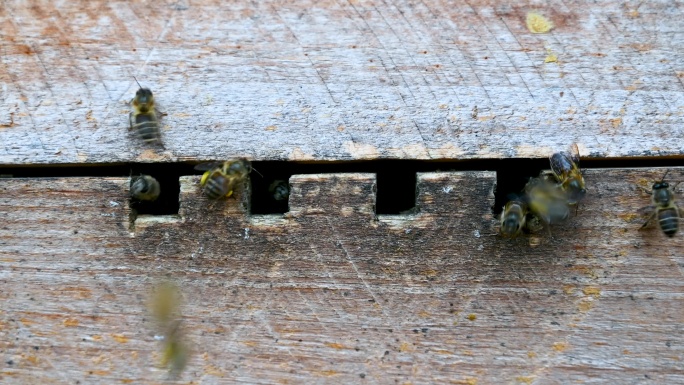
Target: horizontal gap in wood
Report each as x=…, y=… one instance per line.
x=396, y=179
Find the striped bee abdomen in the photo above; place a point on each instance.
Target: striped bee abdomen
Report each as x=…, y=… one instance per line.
x=668, y=219
x=147, y=127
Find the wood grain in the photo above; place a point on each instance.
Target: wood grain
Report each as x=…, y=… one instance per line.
x=340, y=80
x=330, y=293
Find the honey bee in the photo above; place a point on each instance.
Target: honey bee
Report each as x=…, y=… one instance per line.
x=221, y=178
x=143, y=119
x=165, y=307
x=547, y=201
x=513, y=218
x=664, y=207
x=144, y=188
x=565, y=168
x=280, y=190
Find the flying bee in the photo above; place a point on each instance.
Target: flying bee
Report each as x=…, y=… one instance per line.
x=221, y=178
x=513, y=218
x=280, y=190
x=165, y=309
x=143, y=119
x=664, y=207
x=144, y=188
x=547, y=201
x=565, y=168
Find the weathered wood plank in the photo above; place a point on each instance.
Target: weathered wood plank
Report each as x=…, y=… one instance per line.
x=331, y=80
x=328, y=293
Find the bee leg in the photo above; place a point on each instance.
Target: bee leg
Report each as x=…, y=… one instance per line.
x=130, y=120
x=548, y=230
x=647, y=191
x=648, y=220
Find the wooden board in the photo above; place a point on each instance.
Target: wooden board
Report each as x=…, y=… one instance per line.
x=328, y=293
x=340, y=80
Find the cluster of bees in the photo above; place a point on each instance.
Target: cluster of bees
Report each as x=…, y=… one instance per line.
x=547, y=199
x=219, y=179
x=544, y=201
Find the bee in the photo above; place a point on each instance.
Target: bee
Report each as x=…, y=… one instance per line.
x=565, y=168
x=144, y=188
x=143, y=119
x=547, y=201
x=513, y=218
x=280, y=190
x=221, y=178
x=664, y=207
x=165, y=307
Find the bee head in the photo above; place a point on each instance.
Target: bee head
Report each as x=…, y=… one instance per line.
x=143, y=97
x=575, y=190
x=661, y=185
x=240, y=167
x=511, y=226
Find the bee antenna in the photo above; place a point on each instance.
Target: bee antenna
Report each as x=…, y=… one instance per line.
x=136, y=80
x=257, y=171
x=663, y=179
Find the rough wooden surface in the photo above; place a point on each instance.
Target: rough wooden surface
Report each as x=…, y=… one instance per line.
x=330, y=294
x=335, y=79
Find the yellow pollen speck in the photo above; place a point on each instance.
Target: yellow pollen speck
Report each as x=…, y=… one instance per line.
x=120, y=338
x=70, y=322
x=550, y=57
x=537, y=23
x=560, y=346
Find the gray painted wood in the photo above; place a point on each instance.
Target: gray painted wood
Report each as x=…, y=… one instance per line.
x=336, y=80
x=328, y=293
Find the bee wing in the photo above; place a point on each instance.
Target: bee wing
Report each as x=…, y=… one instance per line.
x=574, y=154
x=207, y=166
x=561, y=164
x=646, y=210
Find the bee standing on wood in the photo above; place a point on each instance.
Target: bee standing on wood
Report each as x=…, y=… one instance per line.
x=221, y=178
x=664, y=207
x=144, y=188
x=143, y=119
x=565, y=168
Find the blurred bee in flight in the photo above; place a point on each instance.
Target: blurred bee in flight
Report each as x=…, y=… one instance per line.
x=513, y=218
x=664, y=207
x=143, y=119
x=165, y=309
x=221, y=178
x=566, y=171
x=144, y=188
x=546, y=201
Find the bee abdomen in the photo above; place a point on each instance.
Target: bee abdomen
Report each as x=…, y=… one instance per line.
x=147, y=127
x=215, y=188
x=668, y=220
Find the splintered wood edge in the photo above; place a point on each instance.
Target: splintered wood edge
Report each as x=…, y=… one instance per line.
x=336, y=194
